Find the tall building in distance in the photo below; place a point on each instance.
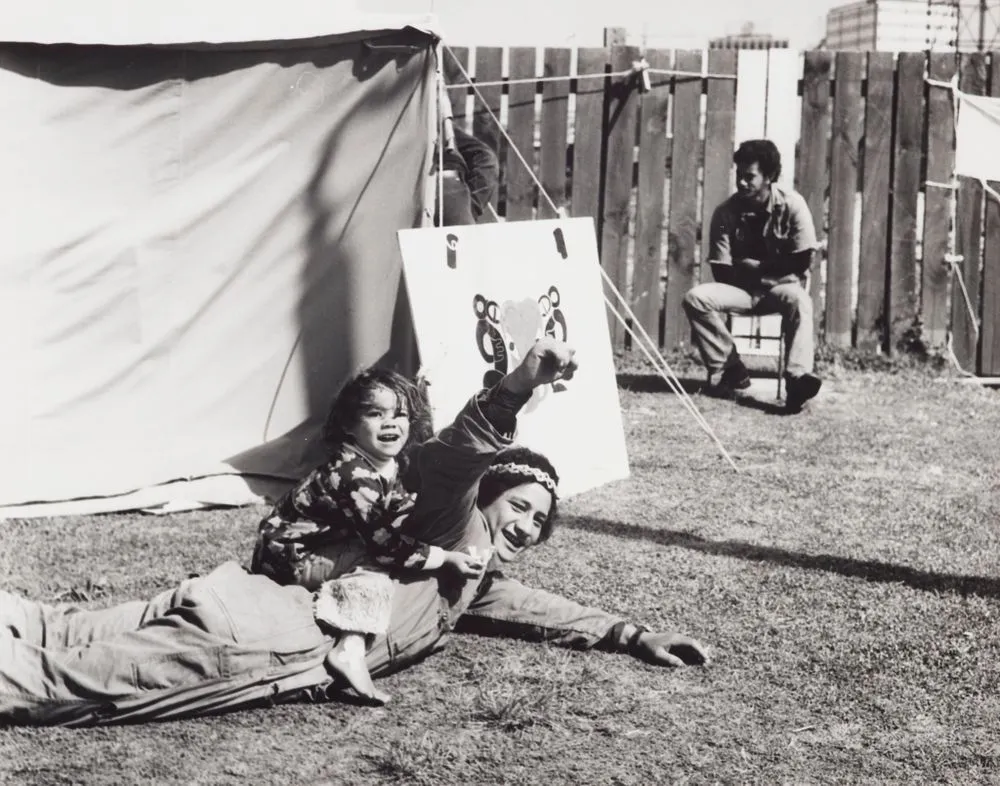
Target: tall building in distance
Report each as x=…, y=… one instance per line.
x=892, y=25
x=748, y=38
x=914, y=25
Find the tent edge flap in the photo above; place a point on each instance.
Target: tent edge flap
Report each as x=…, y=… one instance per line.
x=116, y=23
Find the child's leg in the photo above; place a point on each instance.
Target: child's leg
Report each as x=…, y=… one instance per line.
x=347, y=658
x=357, y=605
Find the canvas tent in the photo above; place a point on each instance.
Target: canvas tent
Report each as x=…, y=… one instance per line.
x=198, y=215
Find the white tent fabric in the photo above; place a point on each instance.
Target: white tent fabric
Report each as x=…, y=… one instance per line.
x=977, y=148
x=198, y=243
x=132, y=23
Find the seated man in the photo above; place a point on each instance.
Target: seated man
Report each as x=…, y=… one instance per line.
x=761, y=247
x=229, y=640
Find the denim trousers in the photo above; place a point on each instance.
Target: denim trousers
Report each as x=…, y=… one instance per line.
x=706, y=303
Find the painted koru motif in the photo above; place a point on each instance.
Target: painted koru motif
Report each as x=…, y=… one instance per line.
x=505, y=333
x=488, y=339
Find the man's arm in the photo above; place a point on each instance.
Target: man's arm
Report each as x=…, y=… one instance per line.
x=452, y=463
x=508, y=608
x=800, y=245
x=720, y=252
x=797, y=263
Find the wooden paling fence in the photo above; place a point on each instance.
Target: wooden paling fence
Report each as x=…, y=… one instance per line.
x=866, y=140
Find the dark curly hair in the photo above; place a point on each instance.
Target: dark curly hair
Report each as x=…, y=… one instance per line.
x=345, y=412
x=496, y=482
x=762, y=152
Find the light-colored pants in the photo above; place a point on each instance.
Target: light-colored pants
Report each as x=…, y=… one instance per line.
x=706, y=303
x=217, y=642
x=221, y=642
x=231, y=640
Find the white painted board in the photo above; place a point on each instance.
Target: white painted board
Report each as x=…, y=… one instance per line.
x=481, y=295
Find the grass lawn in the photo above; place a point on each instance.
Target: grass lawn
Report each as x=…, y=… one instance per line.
x=846, y=582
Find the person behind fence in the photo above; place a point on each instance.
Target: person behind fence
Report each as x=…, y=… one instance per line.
x=471, y=171
x=761, y=245
x=352, y=508
x=233, y=639
x=469, y=179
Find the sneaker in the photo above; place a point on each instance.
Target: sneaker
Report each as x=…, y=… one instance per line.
x=798, y=390
x=735, y=375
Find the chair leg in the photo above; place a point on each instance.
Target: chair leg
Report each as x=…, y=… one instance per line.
x=781, y=359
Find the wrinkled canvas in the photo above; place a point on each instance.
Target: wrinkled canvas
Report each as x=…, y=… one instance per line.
x=197, y=247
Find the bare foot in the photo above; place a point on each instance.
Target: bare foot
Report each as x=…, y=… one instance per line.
x=351, y=666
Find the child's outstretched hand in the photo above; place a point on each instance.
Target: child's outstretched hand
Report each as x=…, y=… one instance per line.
x=464, y=565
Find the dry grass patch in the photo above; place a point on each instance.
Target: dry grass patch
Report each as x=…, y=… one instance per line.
x=845, y=580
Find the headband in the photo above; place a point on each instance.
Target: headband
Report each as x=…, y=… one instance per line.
x=527, y=470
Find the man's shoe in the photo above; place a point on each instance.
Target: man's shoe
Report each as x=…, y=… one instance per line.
x=798, y=390
x=735, y=375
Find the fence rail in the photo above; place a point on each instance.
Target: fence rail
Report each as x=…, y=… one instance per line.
x=866, y=140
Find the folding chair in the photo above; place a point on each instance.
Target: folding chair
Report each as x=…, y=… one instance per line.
x=760, y=336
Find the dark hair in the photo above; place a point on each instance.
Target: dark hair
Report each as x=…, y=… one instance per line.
x=762, y=152
x=345, y=412
x=495, y=483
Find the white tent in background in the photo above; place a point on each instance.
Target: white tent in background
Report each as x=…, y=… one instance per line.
x=198, y=213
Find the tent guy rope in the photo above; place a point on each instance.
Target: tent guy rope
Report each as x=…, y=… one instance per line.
x=643, y=341
x=638, y=68
x=952, y=259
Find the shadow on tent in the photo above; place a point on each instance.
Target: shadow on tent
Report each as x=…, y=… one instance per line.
x=341, y=324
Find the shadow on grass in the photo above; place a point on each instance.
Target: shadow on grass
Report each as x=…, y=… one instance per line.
x=652, y=383
x=772, y=407
x=869, y=570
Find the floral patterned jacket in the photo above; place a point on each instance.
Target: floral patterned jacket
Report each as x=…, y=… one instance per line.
x=338, y=502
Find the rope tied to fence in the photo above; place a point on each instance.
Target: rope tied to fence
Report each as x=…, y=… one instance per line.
x=952, y=259
x=637, y=68
x=951, y=84
x=651, y=351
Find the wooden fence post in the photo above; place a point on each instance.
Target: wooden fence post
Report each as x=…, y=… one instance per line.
x=588, y=139
x=520, y=187
x=620, y=123
x=647, y=297
x=457, y=97
x=875, y=202
x=812, y=167
x=843, y=193
x=938, y=200
x=969, y=224
x=903, y=294
x=686, y=153
x=989, y=339
x=720, y=129
x=489, y=67
x=555, y=106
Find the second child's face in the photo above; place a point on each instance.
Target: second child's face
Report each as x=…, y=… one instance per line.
x=383, y=425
